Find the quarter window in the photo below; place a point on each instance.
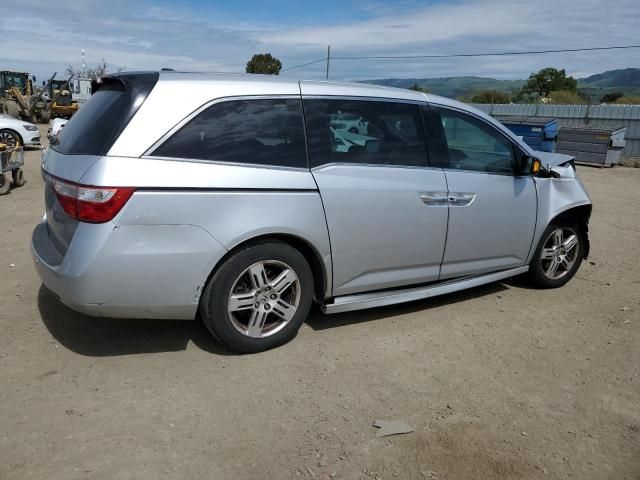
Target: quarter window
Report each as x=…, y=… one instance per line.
x=474, y=145
x=262, y=132
x=364, y=132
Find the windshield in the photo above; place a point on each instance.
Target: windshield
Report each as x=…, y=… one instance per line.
x=58, y=84
x=14, y=80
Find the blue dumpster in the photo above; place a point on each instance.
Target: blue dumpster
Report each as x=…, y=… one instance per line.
x=540, y=133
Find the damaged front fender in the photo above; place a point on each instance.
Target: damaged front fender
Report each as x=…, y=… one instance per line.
x=561, y=197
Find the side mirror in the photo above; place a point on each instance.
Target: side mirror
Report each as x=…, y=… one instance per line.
x=527, y=165
x=535, y=165
x=536, y=168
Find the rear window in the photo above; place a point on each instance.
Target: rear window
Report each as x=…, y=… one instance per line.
x=257, y=132
x=96, y=126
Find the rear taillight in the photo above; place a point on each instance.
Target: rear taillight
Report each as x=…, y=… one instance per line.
x=91, y=204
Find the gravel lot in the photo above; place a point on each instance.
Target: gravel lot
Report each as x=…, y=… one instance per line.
x=499, y=382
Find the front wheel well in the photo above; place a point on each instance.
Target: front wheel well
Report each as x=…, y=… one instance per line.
x=307, y=251
x=579, y=216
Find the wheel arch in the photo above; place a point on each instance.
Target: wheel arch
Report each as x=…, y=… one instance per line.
x=16, y=133
x=320, y=275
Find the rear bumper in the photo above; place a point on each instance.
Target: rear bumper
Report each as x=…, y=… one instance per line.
x=130, y=271
x=48, y=265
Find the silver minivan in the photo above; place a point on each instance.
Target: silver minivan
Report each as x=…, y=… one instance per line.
x=248, y=198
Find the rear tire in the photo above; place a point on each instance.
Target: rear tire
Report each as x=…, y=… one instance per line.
x=18, y=177
x=259, y=297
x=5, y=184
x=557, y=257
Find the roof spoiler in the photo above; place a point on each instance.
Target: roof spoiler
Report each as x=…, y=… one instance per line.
x=125, y=81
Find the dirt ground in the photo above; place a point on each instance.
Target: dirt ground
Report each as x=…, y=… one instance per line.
x=499, y=382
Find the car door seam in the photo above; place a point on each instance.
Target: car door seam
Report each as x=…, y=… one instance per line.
x=324, y=211
x=446, y=232
x=535, y=225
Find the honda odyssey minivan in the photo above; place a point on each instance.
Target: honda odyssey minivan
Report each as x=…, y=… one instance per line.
x=170, y=194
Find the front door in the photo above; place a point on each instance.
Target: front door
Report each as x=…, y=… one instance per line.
x=386, y=210
x=492, y=209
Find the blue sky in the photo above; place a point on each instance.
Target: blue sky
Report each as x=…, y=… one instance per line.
x=199, y=35
x=299, y=13
x=285, y=12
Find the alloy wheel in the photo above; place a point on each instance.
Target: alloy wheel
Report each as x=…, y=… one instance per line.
x=264, y=298
x=559, y=252
x=8, y=139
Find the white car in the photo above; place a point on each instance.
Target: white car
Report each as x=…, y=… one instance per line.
x=18, y=132
x=55, y=126
x=349, y=123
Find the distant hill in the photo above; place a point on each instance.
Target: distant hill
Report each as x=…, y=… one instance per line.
x=625, y=80
x=453, y=86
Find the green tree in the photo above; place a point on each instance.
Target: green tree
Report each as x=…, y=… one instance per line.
x=417, y=88
x=264, y=63
x=611, y=97
x=549, y=80
x=490, y=96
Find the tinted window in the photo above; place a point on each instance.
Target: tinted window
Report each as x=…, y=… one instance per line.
x=97, y=125
x=263, y=132
x=475, y=145
x=359, y=131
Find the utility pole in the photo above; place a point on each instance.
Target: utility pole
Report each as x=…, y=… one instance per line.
x=328, y=58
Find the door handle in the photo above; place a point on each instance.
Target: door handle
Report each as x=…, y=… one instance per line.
x=435, y=199
x=461, y=199
x=444, y=199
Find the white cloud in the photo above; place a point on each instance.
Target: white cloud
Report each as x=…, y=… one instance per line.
x=145, y=36
x=418, y=25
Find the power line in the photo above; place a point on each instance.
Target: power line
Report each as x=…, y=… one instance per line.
x=486, y=54
x=324, y=59
x=458, y=55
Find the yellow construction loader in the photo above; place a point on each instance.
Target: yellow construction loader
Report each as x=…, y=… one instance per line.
x=18, y=98
x=62, y=104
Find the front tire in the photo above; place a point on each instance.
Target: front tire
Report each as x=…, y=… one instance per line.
x=44, y=117
x=13, y=109
x=259, y=297
x=10, y=138
x=558, y=256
